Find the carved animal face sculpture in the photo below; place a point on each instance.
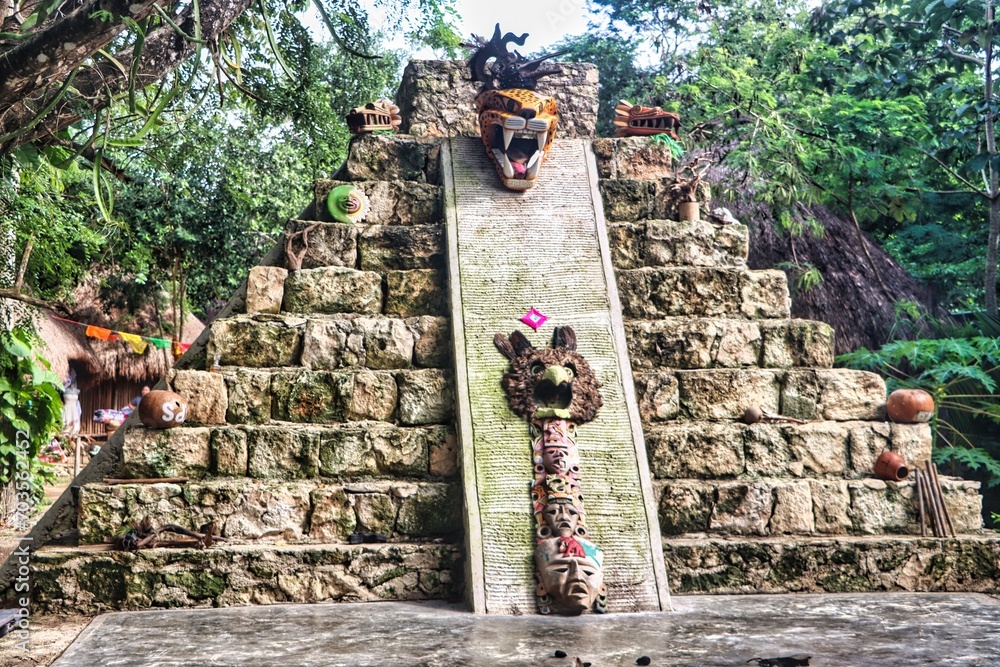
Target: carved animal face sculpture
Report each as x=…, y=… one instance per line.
x=570, y=572
x=632, y=120
x=517, y=124
x=556, y=382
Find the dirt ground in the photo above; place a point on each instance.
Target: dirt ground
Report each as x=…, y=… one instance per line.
x=49, y=637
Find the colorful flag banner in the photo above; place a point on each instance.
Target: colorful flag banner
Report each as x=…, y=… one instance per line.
x=138, y=343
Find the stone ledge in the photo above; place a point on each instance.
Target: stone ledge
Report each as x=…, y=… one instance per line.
x=632, y=157
x=719, y=394
x=670, y=243
x=400, y=157
x=822, y=449
x=333, y=289
x=634, y=200
x=691, y=343
x=251, y=511
x=84, y=581
x=652, y=293
x=803, y=507
x=392, y=202
x=832, y=565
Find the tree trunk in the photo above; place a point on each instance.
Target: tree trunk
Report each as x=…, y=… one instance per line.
x=990, y=275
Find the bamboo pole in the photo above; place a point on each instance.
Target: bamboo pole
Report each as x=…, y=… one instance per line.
x=920, y=502
x=944, y=507
x=935, y=506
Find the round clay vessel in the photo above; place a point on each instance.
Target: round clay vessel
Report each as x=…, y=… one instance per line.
x=162, y=409
x=689, y=211
x=910, y=406
x=891, y=467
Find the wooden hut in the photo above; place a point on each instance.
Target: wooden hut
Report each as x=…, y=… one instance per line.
x=108, y=374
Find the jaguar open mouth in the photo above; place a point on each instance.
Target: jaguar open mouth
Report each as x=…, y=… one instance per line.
x=518, y=146
x=550, y=395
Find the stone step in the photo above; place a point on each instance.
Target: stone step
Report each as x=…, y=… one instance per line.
x=633, y=200
x=822, y=449
x=392, y=202
x=632, y=157
x=283, y=451
x=378, y=248
x=399, y=157
x=83, y=580
x=254, y=512
x=835, y=394
x=652, y=293
x=330, y=341
x=337, y=289
x=833, y=565
x=670, y=243
x=804, y=507
x=689, y=343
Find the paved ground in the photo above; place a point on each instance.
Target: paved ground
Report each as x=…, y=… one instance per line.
x=862, y=630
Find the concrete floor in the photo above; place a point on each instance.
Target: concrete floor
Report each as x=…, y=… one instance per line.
x=858, y=630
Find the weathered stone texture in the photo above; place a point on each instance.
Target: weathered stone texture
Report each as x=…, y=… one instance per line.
x=330, y=243
x=632, y=157
x=176, y=452
x=414, y=293
x=249, y=393
x=206, y=395
x=229, y=452
x=659, y=399
x=713, y=450
x=380, y=157
x=425, y=397
x=431, y=341
x=627, y=200
x=333, y=289
x=765, y=295
x=322, y=397
x=726, y=394
x=71, y=581
x=669, y=243
x=835, y=394
x=652, y=293
x=353, y=342
x=256, y=341
x=397, y=248
x=806, y=506
x=845, y=565
x=788, y=343
x=392, y=202
x=265, y=289
x=435, y=99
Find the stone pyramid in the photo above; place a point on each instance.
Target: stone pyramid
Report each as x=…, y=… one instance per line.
x=334, y=411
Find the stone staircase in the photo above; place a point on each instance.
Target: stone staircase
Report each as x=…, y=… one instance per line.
x=333, y=414
x=763, y=507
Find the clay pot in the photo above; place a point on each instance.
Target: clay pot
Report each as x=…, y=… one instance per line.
x=690, y=211
x=910, y=406
x=162, y=409
x=891, y=467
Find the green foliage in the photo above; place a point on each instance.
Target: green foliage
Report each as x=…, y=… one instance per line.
x=962, y=373
x=31, y=408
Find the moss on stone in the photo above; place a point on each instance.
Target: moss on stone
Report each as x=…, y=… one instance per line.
x=106, y=581
x=202, y=585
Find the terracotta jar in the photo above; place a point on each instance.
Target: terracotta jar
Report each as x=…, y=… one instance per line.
x=910, y=406
x=891, y=467
x=690, y=211
x=162, y=409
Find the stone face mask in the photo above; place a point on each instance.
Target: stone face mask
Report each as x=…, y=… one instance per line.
x=517, y=125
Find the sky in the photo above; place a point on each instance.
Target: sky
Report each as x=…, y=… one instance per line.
x=546, y=21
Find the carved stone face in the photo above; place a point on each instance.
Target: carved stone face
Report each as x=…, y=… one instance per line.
x=517, y=127
x=570, y=571
x=562, y=518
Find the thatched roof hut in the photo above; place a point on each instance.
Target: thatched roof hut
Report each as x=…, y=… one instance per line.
x=857, y=300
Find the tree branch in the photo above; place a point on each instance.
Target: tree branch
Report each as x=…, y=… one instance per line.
x=88, y=153
x=163, y=51
x=16, y=295
x=961, y=56
x=954, y=173
x=19, y=282
x=48, y=55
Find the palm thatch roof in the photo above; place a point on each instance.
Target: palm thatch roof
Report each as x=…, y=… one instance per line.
x=857, y=297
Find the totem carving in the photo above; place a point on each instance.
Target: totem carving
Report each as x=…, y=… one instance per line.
x=555, y=391
x=517, y=125
x=632, y=120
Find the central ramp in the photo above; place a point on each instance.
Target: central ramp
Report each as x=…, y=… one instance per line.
x=545, y=248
